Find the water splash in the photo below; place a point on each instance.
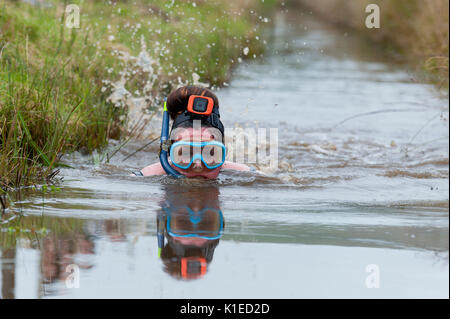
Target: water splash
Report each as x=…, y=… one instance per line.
x=144, y=73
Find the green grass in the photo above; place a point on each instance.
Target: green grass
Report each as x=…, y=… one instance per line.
x=35, y=229
x=55, y=81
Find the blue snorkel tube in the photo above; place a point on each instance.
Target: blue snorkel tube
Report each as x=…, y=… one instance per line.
x=164, y=145
x=160, y=233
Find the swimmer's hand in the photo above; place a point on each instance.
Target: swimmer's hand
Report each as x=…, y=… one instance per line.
x=154, y=169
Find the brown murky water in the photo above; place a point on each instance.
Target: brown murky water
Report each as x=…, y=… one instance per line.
x=355, y=197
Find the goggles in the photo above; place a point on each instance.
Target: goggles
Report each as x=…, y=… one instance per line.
x=201, y=224
x=183, y=153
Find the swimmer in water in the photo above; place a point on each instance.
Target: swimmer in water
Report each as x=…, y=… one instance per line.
x=196, y=144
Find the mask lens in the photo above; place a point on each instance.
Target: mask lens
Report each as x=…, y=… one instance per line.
x=194, y=267
x=181, y=154
x=200, y=105
x=212, y=154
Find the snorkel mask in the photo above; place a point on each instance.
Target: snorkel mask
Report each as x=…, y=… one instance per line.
x=197, y=222
x=182, y=153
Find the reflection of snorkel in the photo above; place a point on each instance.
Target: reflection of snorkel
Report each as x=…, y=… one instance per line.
x=160, y=233
x=165, y=145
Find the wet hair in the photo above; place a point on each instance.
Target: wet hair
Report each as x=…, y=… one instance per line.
x=177, y=100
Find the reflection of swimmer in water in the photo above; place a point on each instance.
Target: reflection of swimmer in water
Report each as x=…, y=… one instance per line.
x=193, y=224
x=196, y=143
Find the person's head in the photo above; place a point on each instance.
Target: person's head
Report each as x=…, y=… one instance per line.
x=193, y=225
x=195, y=131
